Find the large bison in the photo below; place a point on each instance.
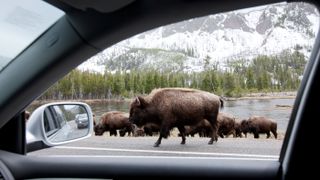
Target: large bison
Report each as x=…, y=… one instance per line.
x=176, y=107
x=226, y=125
x=259, y=124
x=112, y=121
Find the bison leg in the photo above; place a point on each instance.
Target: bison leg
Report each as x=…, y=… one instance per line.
x=113, y=132
x=158, y=142
x=147, y=132
x=163, y=133
x=233, y=132
x=256, y=134
x=122, y=132
x=221, y=135
x=214, y=128
x=240, y=135
x=182, y=131
x=268, y=134
x=275, y=134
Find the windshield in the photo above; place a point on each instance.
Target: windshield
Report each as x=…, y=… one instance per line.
x=254, y=59
x=21, y=22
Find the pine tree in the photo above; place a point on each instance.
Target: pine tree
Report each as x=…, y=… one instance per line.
x=229, y=84
x=250, y=79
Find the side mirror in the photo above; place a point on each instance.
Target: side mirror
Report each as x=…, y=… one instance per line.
x=58, y=123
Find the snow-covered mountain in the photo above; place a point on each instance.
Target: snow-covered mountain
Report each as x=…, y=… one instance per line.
x=265, y=30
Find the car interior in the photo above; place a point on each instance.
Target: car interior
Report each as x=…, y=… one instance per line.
x=87, y=28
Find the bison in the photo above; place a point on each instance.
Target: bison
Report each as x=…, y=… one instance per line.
x=237, y=128
x=126, y=129
x=176, y=107
x=138, y=131
x=259, y=124
x=151, y=128
x=111, y=121
x=148, y=129
x=203, y=128
x=226, y=125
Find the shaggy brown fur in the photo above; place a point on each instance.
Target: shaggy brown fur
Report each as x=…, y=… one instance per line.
x=176, y=107
x=259, y=124
x=237, y=128
x=226, y=125
x=203, y=128
x=151, y=128
x=111, y=121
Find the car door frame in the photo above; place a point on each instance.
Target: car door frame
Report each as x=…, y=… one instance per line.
x=290, y=164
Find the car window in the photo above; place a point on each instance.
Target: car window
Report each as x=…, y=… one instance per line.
x=49, y=124
x=254, y=59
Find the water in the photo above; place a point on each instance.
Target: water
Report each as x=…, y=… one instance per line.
x=277, y=109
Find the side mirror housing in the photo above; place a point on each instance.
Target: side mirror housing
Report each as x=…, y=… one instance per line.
x=58, y=123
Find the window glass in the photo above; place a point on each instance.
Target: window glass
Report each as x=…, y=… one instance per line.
x=253, y=58
x=21, y=22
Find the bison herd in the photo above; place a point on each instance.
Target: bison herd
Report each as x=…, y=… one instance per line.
x=190, y=111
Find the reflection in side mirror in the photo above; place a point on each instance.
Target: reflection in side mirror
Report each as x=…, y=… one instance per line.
x=63, y=122
x=58, y=123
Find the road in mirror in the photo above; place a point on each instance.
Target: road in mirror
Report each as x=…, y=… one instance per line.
x=65, y=122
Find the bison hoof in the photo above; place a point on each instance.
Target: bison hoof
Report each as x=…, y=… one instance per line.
x=183, y=142
x=210, y=142
x=156, y=145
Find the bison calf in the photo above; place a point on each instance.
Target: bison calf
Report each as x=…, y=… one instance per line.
x=226, y=124
x=203, y=128
x=259, y=124
x=237, y=128
x=112, y=121
x=151, y=128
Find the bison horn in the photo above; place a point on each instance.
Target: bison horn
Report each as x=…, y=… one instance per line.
x=137, y=101
x=140, y=102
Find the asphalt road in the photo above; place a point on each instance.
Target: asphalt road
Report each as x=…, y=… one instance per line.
x=143, y=146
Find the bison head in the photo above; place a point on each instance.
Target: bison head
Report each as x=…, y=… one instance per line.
x=139, y=111
x=122, y=132
x=99, y=129
x=244, y=126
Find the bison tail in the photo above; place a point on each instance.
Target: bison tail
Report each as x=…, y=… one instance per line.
x=221, y=102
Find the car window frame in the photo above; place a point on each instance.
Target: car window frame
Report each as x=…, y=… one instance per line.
x=300, y=113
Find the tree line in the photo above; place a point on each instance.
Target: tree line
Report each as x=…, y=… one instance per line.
x=281, y=72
